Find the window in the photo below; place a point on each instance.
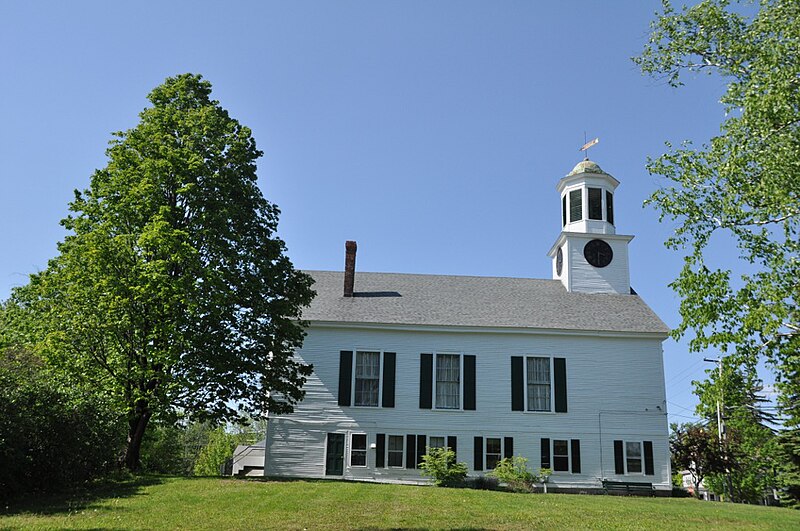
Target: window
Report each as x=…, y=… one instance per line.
x=633, y=457
x=448, y=381
x=609, y=207
x=358, y=449
x=367, y=378
x=539, y=386
x=575, y=205
x=395, y=449
x=566, y=455
x=595, y=203
x=560, y=455
x=494, y=452
x=436, y=442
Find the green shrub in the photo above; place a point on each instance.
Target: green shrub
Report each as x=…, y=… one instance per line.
x=440, y=464
x=173, y=448
x=513, y=471
x=53, y=436
x=219, y=449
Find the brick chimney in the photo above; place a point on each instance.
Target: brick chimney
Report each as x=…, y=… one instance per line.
x=349, y=267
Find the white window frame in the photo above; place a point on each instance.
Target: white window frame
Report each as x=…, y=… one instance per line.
x=641, y=457
x=443, y=437
x=552, y=386
x=380, y=376
x=602, y=203
x=402, y=455
x=366, y=450
x=553, y=456
x=460, y=380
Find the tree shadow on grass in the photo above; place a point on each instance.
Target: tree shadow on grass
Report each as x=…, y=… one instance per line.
x=78, y=500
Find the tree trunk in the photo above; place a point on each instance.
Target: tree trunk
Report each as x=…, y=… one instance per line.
x=137, y=424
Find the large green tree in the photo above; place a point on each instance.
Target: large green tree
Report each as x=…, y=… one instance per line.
x=172, y=290
x=741, y=188
x=749, y=444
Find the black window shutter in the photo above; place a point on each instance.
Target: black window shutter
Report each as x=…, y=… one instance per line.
x=560, y=384
x=389, y=363
x=345, y=376
x=469, y=382
x=545, y=453
x=564, y=210
x=508, y=447
x=619, y=459
x=425, y=381
x=576, y=456
x=411, y=451
x=452, y=443
x=421, y=448
x=478, y=452
x=380, y=451
x=595, y=203
x=609, y=207
x=517, y=383
x=575, y=205
x=648, y=458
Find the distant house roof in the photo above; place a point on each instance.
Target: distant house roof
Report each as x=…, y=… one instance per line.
x=444, y=300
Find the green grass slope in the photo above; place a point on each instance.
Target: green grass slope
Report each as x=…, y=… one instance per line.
x=209, y=503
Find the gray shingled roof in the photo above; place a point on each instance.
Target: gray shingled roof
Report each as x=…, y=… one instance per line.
x=444, y=300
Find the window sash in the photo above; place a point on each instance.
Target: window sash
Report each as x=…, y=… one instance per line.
x=539, y=384
x=560, y=455
x=494, y=452
x=633, y=457
x=436, y=442
x=358, y=449
x=367, y=378
x=448, y=381
x=395, y=451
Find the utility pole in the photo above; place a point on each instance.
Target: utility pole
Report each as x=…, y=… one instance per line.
x=721, y=426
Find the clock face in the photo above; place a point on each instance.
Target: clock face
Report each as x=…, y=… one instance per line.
x=559, y=262
x=598, y=253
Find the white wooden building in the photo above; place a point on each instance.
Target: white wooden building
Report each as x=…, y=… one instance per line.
x=567, y=372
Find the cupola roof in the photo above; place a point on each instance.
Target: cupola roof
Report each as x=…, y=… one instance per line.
x=586, y=166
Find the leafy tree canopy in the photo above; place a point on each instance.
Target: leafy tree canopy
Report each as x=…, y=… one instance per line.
x=172, y=289
x=743, y=184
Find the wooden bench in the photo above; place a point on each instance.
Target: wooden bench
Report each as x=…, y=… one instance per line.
x=628, y=488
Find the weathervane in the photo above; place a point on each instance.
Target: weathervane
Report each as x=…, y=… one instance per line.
x=587, y=145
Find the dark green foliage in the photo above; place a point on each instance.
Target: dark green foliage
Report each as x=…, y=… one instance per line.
x=172, y=291
x=53, y=436
x=742, y=188
x=749, y=443
x=789, y=455
x=696, y=448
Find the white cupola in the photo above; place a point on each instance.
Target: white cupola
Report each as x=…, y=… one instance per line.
x=589, y=256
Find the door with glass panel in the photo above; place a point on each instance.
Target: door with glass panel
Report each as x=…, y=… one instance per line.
x=334, y=457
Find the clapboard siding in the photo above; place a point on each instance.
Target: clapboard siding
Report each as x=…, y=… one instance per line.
x=583, y=277
x=615, y=391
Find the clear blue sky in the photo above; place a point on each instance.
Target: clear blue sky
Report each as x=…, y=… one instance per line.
x=433, y=133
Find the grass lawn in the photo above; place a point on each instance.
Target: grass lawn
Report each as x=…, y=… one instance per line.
x=212, y=503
